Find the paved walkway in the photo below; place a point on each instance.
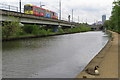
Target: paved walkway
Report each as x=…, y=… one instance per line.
x=107, y=60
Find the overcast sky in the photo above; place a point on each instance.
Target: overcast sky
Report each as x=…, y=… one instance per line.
x=87, y=10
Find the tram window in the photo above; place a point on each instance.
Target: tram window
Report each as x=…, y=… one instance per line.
x=28, y=8
x=56, y=14
x=52, y=14
x=42, y=11
x=34, y=9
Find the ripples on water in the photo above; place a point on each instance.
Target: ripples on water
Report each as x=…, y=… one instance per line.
x=61, y=56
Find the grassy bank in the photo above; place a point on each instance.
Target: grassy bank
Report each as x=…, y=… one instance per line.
x=14, y=30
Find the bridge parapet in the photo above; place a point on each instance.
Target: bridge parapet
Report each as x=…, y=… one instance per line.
x=96, y=27
x=37, y=18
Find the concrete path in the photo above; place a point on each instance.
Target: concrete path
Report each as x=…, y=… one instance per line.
x=107, y=60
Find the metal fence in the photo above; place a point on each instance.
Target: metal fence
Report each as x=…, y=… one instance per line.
x=10, y=7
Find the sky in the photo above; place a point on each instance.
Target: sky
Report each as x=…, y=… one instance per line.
x=88, y=11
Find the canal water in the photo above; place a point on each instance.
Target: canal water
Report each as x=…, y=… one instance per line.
x=62, y=56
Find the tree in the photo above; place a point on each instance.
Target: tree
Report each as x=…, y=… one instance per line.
x=107, y=24
x=114, y=22
x=115, y=18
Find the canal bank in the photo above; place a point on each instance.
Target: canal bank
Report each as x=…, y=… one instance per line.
x=38, y=36
x=106, y=60
x=62, y=56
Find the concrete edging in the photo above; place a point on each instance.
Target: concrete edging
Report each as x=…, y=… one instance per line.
x=96, y=61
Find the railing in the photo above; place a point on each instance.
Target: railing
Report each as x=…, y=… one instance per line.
x=16, y=9
x=10, y=7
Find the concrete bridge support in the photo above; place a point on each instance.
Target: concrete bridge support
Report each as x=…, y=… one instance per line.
x=55, y=29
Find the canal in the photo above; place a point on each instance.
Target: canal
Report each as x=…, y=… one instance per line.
x=61, y=56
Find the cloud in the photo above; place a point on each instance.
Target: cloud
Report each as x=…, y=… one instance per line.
x=87, y=10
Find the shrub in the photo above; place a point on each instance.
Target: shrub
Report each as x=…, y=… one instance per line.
x=35, y=30
x=28, y=28
x=60, y=31
x=31, y=29
x=10, y=28
x=43, y=32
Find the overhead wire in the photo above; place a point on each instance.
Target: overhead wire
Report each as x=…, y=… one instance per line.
x=65, y=12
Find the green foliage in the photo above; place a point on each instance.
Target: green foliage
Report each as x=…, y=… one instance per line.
x=85, y=29
x=10, y=28
x=13, y=29
x=49, y=30
x=60, y=30
x=79, y=29
x=31, y=29
x=28, y=28
x=114, y=22
x=107, y=24
x=35, y=30
x=43, y=32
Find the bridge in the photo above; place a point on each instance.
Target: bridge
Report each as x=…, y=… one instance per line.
x=32, y=19
x=96, y=27
x=5, y=14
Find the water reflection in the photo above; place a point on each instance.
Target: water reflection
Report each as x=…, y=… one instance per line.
x=61, y=56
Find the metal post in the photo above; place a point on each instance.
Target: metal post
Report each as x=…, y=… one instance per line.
x=72, y=15
x=60, y=10
x=78, y=19
x=68, y=18
x=86, y=20
x=9, y=7
x=20, y=5
x=17, y=9
x=82, y=20
x=40, y=4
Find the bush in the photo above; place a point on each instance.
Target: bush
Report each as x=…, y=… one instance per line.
x=49, y=30
x=43, y=32
x=10, y=28
x=28, y=28
x=78, y=29
x=60, y=31
x=35, y=30
x=31, y=29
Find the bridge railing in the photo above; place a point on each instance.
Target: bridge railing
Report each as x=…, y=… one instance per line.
x=10, y=7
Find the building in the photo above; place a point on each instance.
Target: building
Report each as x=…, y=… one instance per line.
x=103, y=18
x=99, y=23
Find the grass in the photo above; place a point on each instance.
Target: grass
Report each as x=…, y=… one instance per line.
x=44, y=32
